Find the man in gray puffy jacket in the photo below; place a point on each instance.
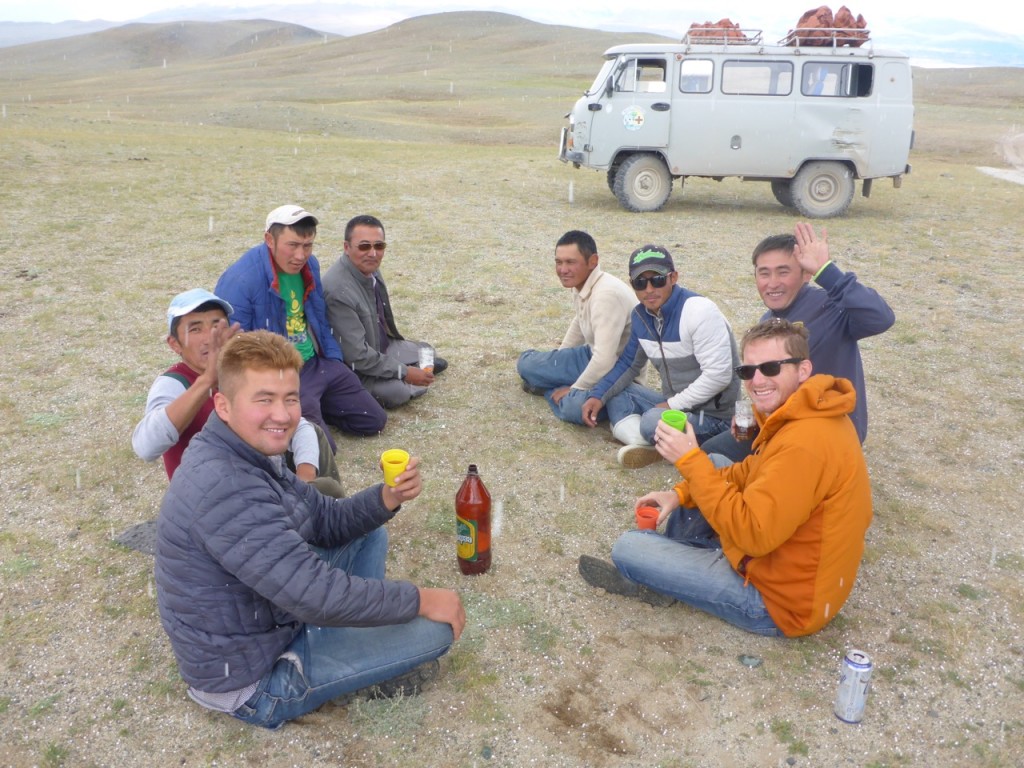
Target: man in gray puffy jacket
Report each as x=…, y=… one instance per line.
x=273, y=595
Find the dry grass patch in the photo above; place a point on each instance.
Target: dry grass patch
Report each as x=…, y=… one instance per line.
x=116, y=202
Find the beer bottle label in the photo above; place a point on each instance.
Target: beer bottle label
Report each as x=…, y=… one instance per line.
x=465, y=537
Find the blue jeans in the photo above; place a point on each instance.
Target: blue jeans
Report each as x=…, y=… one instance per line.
x=554, y=369
x=323, y=663
x=637, y=399
x=332, y=394
x=687, y=563
x=727, y=445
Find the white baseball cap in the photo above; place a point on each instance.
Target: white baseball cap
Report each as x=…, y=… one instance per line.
x=288, y=215
x=186, y=302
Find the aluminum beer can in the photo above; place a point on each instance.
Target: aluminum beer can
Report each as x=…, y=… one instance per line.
x=854, y=685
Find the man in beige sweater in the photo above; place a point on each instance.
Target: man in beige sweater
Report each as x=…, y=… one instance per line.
x=596, y=336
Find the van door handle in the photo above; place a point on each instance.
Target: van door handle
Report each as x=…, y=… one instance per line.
x=594, y=107
x=660, y=106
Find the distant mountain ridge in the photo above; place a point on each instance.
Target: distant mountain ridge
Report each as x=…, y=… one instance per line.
x=24, y=32
x=929, y=42
x=136, y=45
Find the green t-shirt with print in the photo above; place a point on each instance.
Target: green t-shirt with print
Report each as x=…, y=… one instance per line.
x=295, y=325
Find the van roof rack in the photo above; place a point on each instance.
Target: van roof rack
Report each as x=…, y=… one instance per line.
x=712, y=35
x=826, y=37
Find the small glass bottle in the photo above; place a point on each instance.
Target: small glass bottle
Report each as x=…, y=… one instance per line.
x=473, y=524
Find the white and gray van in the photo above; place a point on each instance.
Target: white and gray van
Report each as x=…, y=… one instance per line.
x=810, y=120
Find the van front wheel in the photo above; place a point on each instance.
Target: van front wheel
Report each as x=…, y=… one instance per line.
x=642, y=183
x=822, y=189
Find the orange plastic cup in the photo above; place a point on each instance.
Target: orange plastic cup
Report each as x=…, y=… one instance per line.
x=647, y=518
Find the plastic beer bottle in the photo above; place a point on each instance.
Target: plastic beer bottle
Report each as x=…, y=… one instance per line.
x=473, y=524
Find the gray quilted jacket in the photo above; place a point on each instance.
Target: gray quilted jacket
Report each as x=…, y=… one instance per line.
x=236, y=578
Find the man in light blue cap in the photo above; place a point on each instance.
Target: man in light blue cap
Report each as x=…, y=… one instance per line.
x=181, y=398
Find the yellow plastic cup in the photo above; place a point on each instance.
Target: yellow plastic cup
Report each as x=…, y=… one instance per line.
x=393, y=462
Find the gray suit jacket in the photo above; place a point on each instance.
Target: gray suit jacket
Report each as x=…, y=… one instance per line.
x=352, y=315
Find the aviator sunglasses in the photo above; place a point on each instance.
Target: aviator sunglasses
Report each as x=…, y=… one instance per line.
x=769, y=368
x=640, y=283
x=380, y=245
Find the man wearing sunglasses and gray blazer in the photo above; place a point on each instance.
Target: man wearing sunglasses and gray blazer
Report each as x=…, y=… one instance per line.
x=392, y=368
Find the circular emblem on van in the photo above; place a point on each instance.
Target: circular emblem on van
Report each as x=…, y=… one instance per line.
x=633, y=118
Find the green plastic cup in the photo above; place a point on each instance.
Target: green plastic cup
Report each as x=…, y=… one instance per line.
x=675, y=419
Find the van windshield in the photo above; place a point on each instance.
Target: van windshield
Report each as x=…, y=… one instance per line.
x=601, y=79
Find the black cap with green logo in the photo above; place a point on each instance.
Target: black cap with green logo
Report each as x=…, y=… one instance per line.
x=650, y=258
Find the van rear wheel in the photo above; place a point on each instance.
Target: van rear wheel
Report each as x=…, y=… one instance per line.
x=822, y=189
x=642, y=183
x=783, y=191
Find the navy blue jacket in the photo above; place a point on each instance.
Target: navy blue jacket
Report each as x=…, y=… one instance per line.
x=836, y=318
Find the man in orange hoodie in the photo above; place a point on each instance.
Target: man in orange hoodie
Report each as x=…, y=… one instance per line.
x=772, y=544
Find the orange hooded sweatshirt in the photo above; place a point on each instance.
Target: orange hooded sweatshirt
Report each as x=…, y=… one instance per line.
x=792, y=516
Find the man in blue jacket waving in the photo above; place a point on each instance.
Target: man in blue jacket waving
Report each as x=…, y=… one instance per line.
x=276, y=287
x=798, y=281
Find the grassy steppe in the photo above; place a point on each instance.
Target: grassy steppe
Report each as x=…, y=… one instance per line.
x=121, y=188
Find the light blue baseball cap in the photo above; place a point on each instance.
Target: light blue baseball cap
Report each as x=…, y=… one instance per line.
x=186, y=302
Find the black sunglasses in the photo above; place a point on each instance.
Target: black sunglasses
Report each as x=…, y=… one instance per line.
x=380, y=245
x=770, y=368
x=640, y=283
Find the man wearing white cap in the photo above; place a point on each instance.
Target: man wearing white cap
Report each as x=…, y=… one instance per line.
x=276, y=287
x=181, y=399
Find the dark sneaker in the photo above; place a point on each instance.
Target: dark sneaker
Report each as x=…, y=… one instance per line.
x=408, y=684
x=439, y=364
x=533, y=390
x=636, y=456
x=604, y=575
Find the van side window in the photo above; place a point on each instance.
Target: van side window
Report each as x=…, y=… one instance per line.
x=757, y=78
x=829, y=78
x=695, y=75
x=642, y=76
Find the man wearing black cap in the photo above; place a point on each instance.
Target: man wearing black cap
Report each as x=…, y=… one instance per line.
x=276, y=287
x=691, y=345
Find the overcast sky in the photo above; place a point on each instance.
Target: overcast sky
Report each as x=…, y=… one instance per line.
x=884, y=17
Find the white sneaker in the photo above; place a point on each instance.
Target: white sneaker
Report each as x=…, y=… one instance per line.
x=636, y=456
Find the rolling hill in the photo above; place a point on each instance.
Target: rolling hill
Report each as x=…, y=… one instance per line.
x=137, y=46
x=461, y=76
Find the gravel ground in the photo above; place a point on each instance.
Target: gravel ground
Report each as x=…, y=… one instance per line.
x=109, y=215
